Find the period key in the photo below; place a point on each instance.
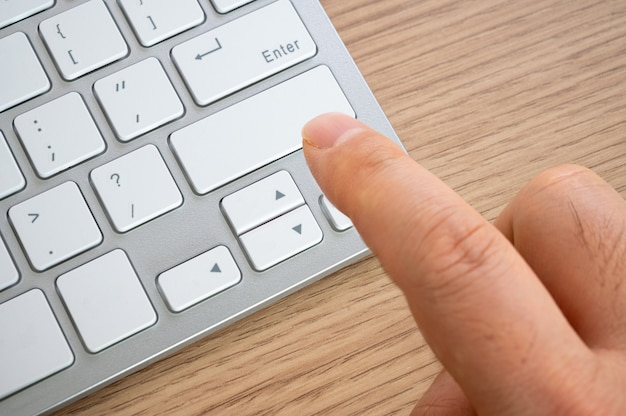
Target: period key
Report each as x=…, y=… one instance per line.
x=55, y=226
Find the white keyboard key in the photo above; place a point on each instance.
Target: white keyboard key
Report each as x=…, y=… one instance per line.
x=199, y=278
x=12, y=11
x=281, y=238
x=337, y=219
x=106, y=301
x=55, y=226
x=225, y=6
x=11, y=179
x=256, y=131
x=21, y=77
x=8, y=273
x=244, y=51
x=59, y=134
x=138, y=99
x=136, y=188
x=83, y=39
x=33, y=346
x=261, y=202
x=157, y=20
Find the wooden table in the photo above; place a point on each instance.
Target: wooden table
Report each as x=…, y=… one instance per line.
x=486, y=94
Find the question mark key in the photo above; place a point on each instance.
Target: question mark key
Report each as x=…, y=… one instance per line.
x=136, y=188
x=116, y=178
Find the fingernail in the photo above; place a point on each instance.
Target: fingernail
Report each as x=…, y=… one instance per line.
x=328, y=130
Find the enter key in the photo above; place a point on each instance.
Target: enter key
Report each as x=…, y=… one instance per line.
x=244, y=51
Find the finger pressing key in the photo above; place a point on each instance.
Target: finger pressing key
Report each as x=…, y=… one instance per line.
x=484, y=312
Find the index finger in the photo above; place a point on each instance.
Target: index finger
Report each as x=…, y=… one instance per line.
x=480, y=307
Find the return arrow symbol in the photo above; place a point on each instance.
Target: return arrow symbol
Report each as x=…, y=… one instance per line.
x=202, y=55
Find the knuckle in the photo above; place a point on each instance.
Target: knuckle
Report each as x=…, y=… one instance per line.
x=579, y=198
x=465, y=248
x=365, y=168
x=555, y=186
x=377, y=157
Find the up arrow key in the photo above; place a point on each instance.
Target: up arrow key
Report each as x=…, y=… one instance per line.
x=262, y=202
x=216, y=269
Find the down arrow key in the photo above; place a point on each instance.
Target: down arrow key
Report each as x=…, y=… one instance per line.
x=276, y=241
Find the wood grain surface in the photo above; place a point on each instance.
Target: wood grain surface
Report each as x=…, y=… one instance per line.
x=486, y=94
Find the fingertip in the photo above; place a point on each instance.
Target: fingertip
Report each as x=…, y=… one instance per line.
x=327, y=130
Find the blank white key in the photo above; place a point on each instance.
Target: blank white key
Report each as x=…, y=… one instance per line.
x=138, y=99
x=55, y=226
x=59, y=134
x=106, y=301
x=262, y=201
x=256, y=131
x=136, y=188
x=244, y=51
x=281, y=238
x=33, y=346
x=21, y=77
x=225, y=6
x=199, y=278
x=11, y=179
x=12, y=11
x=156, y=20
x=337, y=219
x=8, y=273
x=83, y=39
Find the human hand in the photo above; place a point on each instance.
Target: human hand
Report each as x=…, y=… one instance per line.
x=528, y=315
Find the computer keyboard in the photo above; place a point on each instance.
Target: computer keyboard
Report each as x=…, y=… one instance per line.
x=152, y=180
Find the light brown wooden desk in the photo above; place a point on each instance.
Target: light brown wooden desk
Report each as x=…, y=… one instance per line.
x=486, y=94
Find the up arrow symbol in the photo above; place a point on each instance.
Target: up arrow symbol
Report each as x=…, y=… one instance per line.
x=279, y=195
x=216, y=269
x=298, y=228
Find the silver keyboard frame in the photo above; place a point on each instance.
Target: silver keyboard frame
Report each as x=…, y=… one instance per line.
x=192, y=229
